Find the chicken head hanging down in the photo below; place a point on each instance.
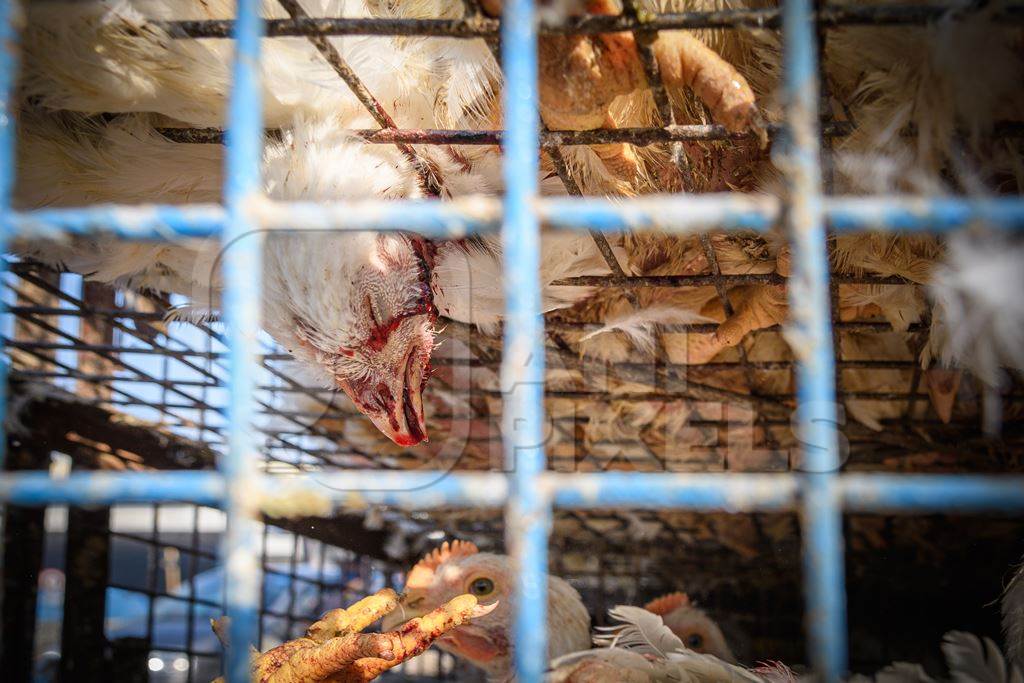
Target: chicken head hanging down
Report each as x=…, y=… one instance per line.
x=375, y=346
x=356, y=308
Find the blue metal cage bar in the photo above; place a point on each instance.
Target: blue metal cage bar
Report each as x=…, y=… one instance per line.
x=242, y=301
x=354, y=489
x=528, y=514
x=527, y=491
x=811, y=339
x=671, y=213
x=9, y=65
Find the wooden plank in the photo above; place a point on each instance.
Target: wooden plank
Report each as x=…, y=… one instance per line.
x=99, y=332
x=84, y=654
x=24, y=533
x=99, y=438
x=87, y=564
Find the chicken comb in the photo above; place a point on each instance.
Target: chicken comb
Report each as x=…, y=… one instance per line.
x=667, y=603
x=422, y=573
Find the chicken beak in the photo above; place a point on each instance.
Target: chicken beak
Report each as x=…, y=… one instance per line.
x=394, y=404
x=404, y=421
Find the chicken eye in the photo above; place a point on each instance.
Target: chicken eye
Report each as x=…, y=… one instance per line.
x=481, y=587
x=694, y=641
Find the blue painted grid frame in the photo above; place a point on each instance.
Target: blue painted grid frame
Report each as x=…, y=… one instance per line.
x=529, y=493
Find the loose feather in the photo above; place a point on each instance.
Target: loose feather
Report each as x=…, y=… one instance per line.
x=640, y=630
x=639, y=326
x=978, y=320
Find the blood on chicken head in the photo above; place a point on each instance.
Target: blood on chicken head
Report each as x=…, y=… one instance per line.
x=365, y=327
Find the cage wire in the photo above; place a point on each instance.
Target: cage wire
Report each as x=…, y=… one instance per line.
x=103, y=377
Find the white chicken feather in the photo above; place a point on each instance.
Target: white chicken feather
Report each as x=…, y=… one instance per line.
x=642, y=648
x=375, y=345
x=639, y=325
x=639, y=630
x=114, y=56
x=978, y=319
x=468, y=277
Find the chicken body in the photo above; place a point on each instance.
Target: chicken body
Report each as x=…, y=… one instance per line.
x=487, y=642
x=970, y=660
x=98, y=56
x=358, y=310
x=354, y=307
x=643, y=649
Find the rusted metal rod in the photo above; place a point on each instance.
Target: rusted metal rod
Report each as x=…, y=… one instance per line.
x=548, y=138
x=558, y=138
x=634, y=281
x=430, y=180
x=483, y=27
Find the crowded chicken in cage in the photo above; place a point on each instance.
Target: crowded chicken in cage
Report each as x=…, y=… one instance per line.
x=111, y=90
x=668, y=639
x=668, y=349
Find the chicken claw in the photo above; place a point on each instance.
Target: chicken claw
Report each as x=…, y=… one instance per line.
x=755, y=307
x=336, y=651
x=580, y=75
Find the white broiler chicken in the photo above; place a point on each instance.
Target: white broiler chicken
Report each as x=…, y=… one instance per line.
x=641, y=648
x=884, y=77
x=459, y=567
x=358, y=309
x=376, y=347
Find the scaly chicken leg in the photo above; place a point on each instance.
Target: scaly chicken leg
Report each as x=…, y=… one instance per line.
x=580, y=75
x=335, y=651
